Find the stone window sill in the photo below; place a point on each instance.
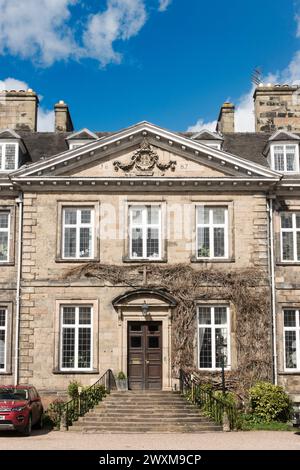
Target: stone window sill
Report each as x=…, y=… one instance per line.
x=6, y=263
x=286, y=263
x=75, y=372
x=297, y=372
x=212, y=260
x=144, y=260
x=5, y=373
x=63, y=260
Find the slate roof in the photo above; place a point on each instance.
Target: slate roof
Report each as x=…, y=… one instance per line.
x=248, y=145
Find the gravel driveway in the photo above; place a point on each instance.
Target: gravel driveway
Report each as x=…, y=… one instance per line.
x=55, y=440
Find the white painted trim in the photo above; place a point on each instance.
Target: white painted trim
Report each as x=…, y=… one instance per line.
x=3, y=371
x=76, y=327
x=3, y=156
x=144, y=226
x=297, y=330
x=282, y=131
x=211, y=227
x=294, y=230
x=213, y=327
x=284, y=145
x=6, y=230
x=78, y=226
x=143, y=129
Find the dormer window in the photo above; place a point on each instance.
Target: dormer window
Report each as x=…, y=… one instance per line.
x=81, y=138
x=9, y=156
x=285, y=158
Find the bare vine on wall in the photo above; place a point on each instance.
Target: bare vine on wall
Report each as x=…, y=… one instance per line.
x=245, y=290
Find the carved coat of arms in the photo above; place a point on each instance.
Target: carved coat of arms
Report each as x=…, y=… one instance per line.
x=144, y=161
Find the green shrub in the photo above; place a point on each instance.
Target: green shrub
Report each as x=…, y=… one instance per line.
x=52, y=415
x=121, y=376
x=73, y=389
x=269, y=402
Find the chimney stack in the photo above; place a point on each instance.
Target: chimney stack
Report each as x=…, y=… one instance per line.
x=277, y=107
x=18, y=110
x=226, y=118
x=63, y=120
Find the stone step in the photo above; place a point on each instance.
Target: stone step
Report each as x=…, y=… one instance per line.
x=144, y=429
x=162, y=415
x=158, y=421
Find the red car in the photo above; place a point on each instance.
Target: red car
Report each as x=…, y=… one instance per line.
x=20, y=408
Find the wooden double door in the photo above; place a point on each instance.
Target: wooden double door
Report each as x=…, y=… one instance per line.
x=145, y=355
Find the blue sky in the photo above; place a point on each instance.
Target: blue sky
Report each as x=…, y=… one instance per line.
x=171, y=62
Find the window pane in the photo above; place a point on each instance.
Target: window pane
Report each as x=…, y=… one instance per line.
x=290, y=162
x=136, y=342
x=84, y=315
x=287, y=246
x=218, y=215
x=84, y=348
x=205, y=359
x=68, y=348
x=4, y=219
x=70, y=242
x=297, y=219
x=290, y=350
x=298, y=245
x=137, y=242
x=85, y=245
x=2, y=349
x=137, y=215
x=153, y=342
x=10, y=157
x=153, y=214
x=69, y=315
x=1, y=157
x=279, y=157
x=203, y=215
x=287, y=220
x=203, y=242
x=3, y=246
x=2, y=317
x=221, y=346
x=204, y=316
x=152, y=243
x=219, y=242
x=220, y=315
x=289, y=318
x=86, y=216
x=70, y=216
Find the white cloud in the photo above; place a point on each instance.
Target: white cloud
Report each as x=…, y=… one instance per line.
x=46, y=31
x=244, y=113
x=164, y=4
x=45, y=116
x=121, y=20
x=201, y=124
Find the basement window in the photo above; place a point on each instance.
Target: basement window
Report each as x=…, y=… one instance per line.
x=9, y=156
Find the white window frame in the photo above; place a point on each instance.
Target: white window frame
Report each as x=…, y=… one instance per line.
x=6, y=230
x=297, y=329
x=78, y=226
x=76, y=326
x=4, y=328
x=285, y=145
x=145, y=226
x=79, y=143
x=211, y=227
x=294, y=230
x=3, y=156
x=213, y=326
x=213, y=145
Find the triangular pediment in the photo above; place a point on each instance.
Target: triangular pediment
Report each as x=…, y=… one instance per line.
x=145, y=150
x=8, y=134
x=83, y=134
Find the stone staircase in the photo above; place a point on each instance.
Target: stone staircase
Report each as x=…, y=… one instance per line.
x=144, y=412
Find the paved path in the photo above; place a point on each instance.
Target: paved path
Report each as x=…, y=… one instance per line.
x=258, y=440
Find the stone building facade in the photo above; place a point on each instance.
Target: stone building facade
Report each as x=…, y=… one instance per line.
x=142, y=197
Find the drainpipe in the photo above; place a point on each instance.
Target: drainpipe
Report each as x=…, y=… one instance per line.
x=273, y=290
x=19, y=201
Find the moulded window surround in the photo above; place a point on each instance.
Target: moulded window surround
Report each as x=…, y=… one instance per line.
x=78, y=232
x=76, y=337
x=290, y=237
x=291, y=332
x=145, y=231
x=9, y=156
x=3, y=338
x=213, y=326
x=78, y=144
x=4, y=236
x=285, y=157
x=212, y=232
x=213, y=145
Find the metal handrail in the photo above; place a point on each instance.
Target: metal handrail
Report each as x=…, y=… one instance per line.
x=79, y=406
x=216, y=408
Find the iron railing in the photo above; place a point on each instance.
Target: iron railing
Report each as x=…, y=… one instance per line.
x=221, y=412
x=91, y=396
